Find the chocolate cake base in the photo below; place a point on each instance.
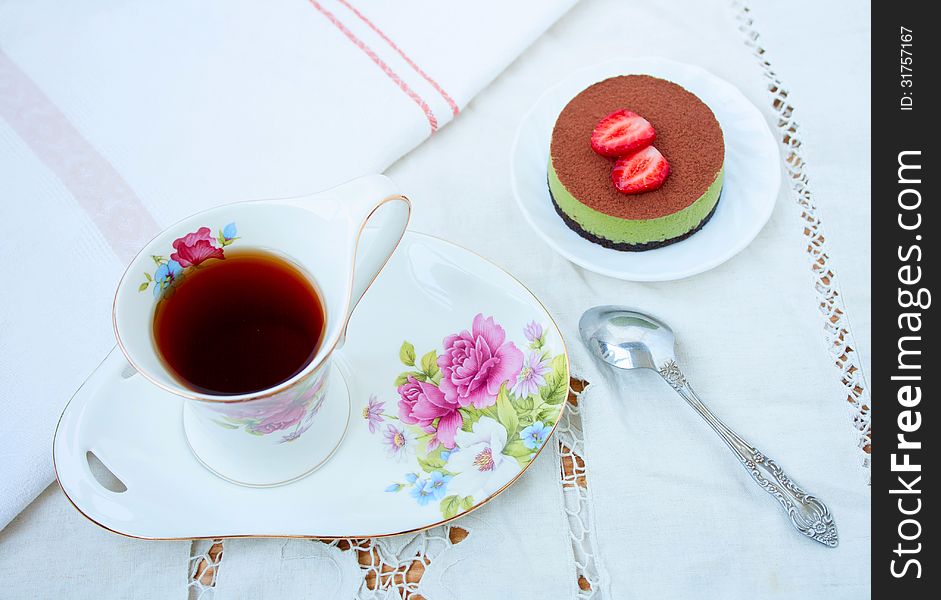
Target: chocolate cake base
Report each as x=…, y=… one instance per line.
x=624, y=246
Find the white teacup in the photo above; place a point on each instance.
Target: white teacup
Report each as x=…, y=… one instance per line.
x=341, y=238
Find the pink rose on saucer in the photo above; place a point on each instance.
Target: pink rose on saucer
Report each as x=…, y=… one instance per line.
x=420, y=403
x=476, y=363
x=194, y=248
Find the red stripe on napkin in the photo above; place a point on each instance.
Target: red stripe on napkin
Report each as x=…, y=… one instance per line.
x=95, y=184
x=380, y=63
x=411, y=63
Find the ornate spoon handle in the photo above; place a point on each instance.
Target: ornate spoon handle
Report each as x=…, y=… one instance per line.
x=808, y=514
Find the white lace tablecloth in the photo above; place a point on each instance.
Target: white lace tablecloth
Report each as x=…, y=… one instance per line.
x=776, y=340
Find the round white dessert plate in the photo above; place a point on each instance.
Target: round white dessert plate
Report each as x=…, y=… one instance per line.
x=752, y=176
x=387, y=476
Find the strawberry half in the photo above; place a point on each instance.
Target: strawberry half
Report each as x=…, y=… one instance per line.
x=642, y=171
x=620, y=133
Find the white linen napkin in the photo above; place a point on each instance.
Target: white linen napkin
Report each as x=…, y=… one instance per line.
x=119, y=118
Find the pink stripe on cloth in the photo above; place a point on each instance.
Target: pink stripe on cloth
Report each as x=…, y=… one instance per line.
x=93, y=181
x=380, y=63
x=454, y=108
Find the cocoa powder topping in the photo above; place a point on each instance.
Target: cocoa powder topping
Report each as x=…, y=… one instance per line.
x=688, y=135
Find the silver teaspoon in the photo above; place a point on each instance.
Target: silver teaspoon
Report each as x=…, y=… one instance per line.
x=627, y=339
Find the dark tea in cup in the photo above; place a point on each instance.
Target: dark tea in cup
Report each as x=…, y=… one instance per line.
x=239, y=325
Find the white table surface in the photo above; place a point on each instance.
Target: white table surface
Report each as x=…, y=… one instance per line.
x=820, y=49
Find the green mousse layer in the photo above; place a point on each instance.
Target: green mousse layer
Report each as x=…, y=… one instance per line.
x=635, y=231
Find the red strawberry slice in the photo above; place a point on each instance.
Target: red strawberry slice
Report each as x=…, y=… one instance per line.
x=642, y=171
x=620, y=133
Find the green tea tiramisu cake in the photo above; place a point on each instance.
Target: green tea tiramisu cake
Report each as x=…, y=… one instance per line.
x=636, y=163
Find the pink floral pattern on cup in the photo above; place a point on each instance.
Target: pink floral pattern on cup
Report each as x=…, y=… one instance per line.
x=191, y=250
x=194, y=248
x=290, y=412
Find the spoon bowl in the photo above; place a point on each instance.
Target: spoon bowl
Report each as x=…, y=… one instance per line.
x=627, y=339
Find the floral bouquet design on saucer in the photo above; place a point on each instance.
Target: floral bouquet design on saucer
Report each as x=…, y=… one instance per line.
x=470, y=417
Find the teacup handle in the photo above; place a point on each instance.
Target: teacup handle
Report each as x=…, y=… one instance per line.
x=378, y=216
